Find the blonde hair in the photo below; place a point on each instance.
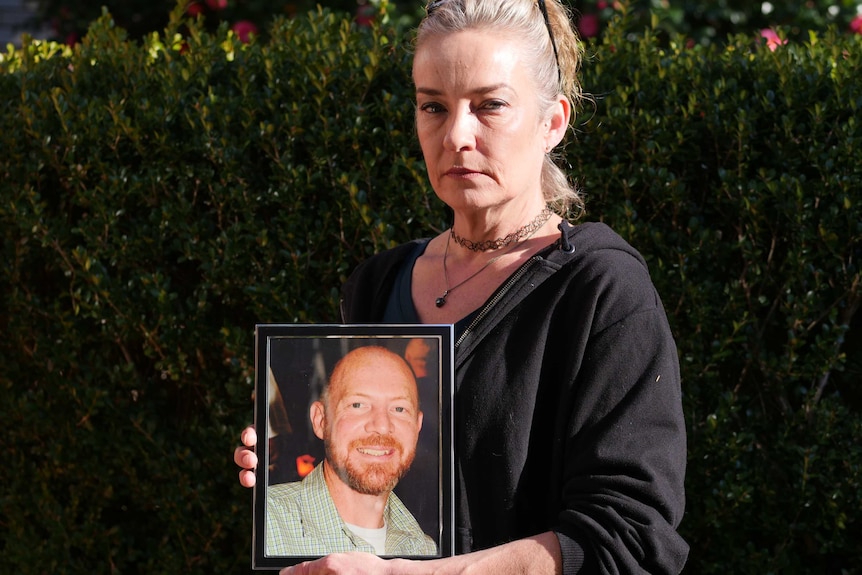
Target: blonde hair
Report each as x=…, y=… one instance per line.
x=554, y=55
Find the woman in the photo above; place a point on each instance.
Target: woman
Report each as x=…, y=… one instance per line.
x=569, y=439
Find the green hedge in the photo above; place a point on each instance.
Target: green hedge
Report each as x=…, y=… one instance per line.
x=738, y=173
x=157, y=199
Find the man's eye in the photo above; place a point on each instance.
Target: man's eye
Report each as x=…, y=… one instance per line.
x=400, y=409
x=356, y=405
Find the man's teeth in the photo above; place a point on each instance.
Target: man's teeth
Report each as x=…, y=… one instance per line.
x=376, y=452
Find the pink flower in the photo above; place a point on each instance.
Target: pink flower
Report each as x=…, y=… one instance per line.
x=773, y=41
x=365, y=15
x=856, y=25
x=217, y=4
x=195, y=9
x=243, y=29
x=601, y=4
x=589, y=26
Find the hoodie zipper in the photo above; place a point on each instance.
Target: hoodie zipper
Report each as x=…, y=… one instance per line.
x=497, y=297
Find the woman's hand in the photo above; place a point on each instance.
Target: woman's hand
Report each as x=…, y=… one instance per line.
x=353, y=563
x=245, y=457
x=537, y=555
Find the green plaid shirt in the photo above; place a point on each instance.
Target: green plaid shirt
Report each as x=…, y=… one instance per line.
x=301, y=520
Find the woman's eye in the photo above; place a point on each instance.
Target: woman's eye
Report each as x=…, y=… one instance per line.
x=431, y=107
x=494, y=105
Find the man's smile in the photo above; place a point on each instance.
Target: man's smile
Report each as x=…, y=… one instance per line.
x=376, y=452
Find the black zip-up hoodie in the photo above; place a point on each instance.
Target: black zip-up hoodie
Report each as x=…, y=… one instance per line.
x=568, y=414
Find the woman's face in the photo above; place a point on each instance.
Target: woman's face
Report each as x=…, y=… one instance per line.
x=478, y=121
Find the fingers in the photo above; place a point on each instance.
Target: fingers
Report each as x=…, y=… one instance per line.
x=352, y=563
x=248, y=437
x=245, y=457
x=304, y=568
x=246, y=478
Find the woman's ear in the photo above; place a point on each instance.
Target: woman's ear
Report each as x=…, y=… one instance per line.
x=558, y=121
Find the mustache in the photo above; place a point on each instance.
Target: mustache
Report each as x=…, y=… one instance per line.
x=378, y=441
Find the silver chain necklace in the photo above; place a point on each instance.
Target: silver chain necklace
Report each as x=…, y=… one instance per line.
x=531, y=228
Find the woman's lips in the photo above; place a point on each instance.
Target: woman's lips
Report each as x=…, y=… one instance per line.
x=459, y=172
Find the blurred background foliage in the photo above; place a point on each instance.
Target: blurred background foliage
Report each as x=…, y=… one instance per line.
x=699, y=21
x=161, y=194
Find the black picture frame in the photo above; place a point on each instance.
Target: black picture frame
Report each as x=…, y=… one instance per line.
x=292, y=362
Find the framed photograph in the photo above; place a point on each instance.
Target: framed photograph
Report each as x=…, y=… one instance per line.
x=354, y=427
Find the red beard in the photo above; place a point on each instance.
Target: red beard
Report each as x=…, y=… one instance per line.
x=372, y=478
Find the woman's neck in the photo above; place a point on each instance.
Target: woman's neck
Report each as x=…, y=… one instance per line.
x=487, y=231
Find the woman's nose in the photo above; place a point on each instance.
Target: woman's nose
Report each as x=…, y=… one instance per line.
x=461, y=131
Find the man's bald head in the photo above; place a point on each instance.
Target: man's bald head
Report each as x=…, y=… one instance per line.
x=369, y=361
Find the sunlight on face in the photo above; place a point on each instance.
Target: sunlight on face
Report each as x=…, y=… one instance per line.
x=478, y=120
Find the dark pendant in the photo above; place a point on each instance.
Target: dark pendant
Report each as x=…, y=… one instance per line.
x=441, y=301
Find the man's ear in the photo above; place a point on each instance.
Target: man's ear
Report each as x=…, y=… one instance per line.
x=419, y=422
x=318, y=418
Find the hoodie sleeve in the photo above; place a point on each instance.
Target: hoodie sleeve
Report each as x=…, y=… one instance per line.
x=625, y=450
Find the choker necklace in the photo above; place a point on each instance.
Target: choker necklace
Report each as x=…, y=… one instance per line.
x=498, y=243
x=514, y=238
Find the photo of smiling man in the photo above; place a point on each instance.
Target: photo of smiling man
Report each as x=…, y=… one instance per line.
x=369, y=419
